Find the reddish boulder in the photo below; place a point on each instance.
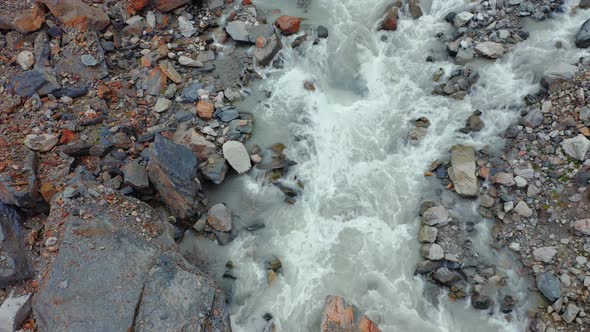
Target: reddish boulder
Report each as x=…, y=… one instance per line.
x=30, y=20
x=168, y=5
x=390, y=21
x=78, y=15
x=288, y=24
x=340, y=316
x=138, y=4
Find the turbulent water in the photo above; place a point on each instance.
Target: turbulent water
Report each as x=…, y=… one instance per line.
x=353, y=232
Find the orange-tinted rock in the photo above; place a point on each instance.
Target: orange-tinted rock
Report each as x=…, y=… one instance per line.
x=67, y=136
x=138, y=4
x=47, y=191
x=168, y=5
x=260, y=42
x=205, y=109
x=30, y=21
x=339, y=316
x=390, y=21
x=78, y=15
x=288, y=24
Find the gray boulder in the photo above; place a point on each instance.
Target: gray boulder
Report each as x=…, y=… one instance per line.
x=137, y=281
x=172, y=169
x=557, y=73
x=490, y=49
x=215, y=169
x=576, y=147
x=462, y=171
x=238, y=31
x=16, y=266
x=583, y=35
x=532, y=119
x=436, y=216
x=264, y=55
x=549, y=285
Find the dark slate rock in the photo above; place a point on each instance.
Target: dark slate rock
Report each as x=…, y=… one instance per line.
x=481, y=302
x=533, y=119
x=71, y=91
x=322, y=31
x=227, y=115
x=190, y=93
x=33, y=81
x=427, y=266
x=23, y=196
x=583, y=35
x=16, y=265
x=136, y=175
x=172, y=169
x=549, y=285
x=215, y=169
x=445, y=276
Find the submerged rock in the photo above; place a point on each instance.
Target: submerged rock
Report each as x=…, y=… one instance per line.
x=583, y=35
x=339, y=316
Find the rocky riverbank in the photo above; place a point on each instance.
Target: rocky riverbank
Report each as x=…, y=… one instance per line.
x=535, y=190
x=105, y=105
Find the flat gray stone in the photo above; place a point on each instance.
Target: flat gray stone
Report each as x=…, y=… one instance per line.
x=544, y=254
x=462, y=171
x=238, y=31
x=523, y=209
x=237, y=156
x=576, y=147
x=549, y=285
x=427, y=234
x=462, y=18
x=136, y=175
x=436, y=216
x=14, y=311
x=432, y=251
x=490, y=50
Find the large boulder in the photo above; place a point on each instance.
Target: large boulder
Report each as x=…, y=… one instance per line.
x=118, y=269
x=79, y=15
x=583, y=35
x=576, y=147
x=462, y=171
x=16, y=265
x=172, y=170
x=342, y=317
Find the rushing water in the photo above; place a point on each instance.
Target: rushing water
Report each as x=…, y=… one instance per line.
x=353, y=232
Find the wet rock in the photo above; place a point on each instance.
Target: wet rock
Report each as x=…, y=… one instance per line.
x=582, y=226
x=462, y=171
x=432, y=251
x=490, y=49
x=583, y=35
x=322, y=32
x=427, y=266
x=14, y=311
x=219, y=218
x=576, y=147
x=340, y=316
x=415, y=8
x=481, y=302
x=41, y=142
x=464, y=55
x=436, y=216
x=215, y=169
x=265, y=54
x=445, y=276
x=168, y=5
x=558, y=72
x=26, y=59
x=15, y=265
x=237, y=156
x=142, y=296
x=508, y=303
x=162, y=105
x=427, y=234
x=136, y=175
x=544, y=254
x=274, y=264
x=172, y=169
x=238, y=31
x=462, y=18
x=390, y=21
x=549, y=285
x=78, y=15
x=288, y=25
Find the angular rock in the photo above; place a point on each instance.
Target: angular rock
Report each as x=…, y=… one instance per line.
x=162, y=105
x=136, y=175
x=288, y=25
x=29, y=21
x=168, y=69
x=464, y=55
x=237, y=156
x=265, y=54
x=445, y=276
x=205, y=109
x=172, y=169
x=558, y=72
x=582, y=226
x=188, y=62
x=532, y=119
x=137, y=281
x=215, y=169
x=523, y=209
x=462, y=18
x=185, y=26
x=462, y=171
x=583, y=35
x=78, y=15
x=219, y=218
x=576, y=147
x=14, y=311
x=238, y=31
x=432, y=251
x=194, y=141
x=34, y=81
x=41, y=143
x=168, y=5
x=24, y=195
x=571, y=311
x=481, y=302
x=427, y=234
x=436, y=216
x=505, y=179
x=544, y=254
x=549, y=285
x=15, y=266
x=339, y=316
x=490, y=49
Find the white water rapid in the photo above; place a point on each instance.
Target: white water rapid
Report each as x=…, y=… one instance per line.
x=353, y=232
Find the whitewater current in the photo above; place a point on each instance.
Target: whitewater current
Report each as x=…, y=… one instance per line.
x=353, y=231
